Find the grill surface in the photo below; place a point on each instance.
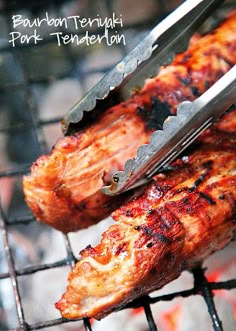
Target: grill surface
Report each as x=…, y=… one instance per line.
x=24, y=132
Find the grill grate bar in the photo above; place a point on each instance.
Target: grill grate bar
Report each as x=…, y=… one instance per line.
x=149, y=316
x=20, y=220
x=226, y=285
x=23, y=126
x=196, y=290
x=32, y=269
x=12, y=271
x=71, y=259
x=20, y=170
x=38, y=132
x=87, y=325
x=46, y=324
x=202, y=284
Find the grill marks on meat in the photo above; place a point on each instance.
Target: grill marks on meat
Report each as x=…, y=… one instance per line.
x=63, y=188
x=182, y=217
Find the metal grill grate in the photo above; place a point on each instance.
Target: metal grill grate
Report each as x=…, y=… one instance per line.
x=29, y=125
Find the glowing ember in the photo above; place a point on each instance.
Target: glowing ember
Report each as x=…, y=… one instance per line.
x=137, y=311
x=171, y=318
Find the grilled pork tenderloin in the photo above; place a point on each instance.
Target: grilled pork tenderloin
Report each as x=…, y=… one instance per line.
x=184, y=215
x=64, y=187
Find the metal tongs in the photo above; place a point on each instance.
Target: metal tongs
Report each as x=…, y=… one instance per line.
x=159, y=47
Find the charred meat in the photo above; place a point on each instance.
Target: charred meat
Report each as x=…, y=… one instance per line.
x=63, y=188
x=182, y=217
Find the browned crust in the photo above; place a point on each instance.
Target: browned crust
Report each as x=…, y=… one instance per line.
x=184, y=216
x=63, y=188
